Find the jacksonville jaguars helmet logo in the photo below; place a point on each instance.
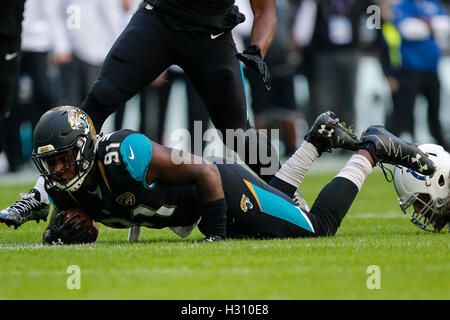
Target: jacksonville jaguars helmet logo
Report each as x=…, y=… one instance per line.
x=78, y=120
x=245, y=203
x=126, y=199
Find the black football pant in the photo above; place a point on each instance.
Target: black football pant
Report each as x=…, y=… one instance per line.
x=9, y=78
x=148, y=46
x=260, y=217
x=33, y=64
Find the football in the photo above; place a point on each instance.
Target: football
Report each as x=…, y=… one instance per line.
x=93, y=233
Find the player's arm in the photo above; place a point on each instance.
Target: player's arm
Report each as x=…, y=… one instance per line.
x=181, y=168
x=264, y=24
x=262, y=34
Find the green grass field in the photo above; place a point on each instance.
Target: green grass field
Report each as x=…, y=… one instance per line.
x=413, y=264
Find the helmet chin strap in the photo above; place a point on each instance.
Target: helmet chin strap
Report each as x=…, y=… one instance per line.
x=76, y=182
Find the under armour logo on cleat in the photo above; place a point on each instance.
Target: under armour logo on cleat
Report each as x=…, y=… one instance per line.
x=323, y=130
x=422, y=168
x=416, y=160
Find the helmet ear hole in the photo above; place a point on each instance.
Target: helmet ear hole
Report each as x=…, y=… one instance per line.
x=441, y=181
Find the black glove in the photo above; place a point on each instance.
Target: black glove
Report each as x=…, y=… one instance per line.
x=214, y=220
x=253, y=59
x=68, y=233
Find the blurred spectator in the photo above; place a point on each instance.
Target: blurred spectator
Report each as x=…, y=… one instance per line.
x=414, y=55
x=443, y=39
x=87, y=29
x=37, y=42
x=328, y=33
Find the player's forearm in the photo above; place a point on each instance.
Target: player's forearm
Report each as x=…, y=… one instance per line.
x=49, y=226
x=209, y=183
x=264, y=27
x=214, y=205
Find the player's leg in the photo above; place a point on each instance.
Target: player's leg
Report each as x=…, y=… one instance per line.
x=325, y=134
x=259, y=210
x=217, y=76
x=277, y=216
x=139, y=55
x=377, y=146
x=33, y=205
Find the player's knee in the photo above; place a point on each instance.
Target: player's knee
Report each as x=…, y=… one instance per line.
x=222, y=79
x=326, y=224
x=107, y=93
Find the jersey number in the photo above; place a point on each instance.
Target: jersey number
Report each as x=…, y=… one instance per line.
x=112, y=156
x=142, y=210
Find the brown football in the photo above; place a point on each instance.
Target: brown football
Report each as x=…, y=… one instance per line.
x=93, y=233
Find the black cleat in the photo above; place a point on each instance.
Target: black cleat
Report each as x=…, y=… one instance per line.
x=328, y=133
x=384, y=147
x=26, y=209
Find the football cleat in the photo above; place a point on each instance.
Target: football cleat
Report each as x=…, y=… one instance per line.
x=384, y=147
x=26, y=209
x=328, y=133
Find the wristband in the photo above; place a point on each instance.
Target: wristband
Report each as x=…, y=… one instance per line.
x=253, y=49
x=214, y=218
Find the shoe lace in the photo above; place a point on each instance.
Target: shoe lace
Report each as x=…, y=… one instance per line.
x=350, y=128
x=28, y=202
x=384, y=169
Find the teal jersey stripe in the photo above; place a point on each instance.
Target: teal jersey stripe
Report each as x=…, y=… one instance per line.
x=243, y=79
x=281, y=208
x=136, y=152
x=53, y=204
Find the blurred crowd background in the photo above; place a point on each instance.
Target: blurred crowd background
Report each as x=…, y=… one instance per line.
x=368, y=61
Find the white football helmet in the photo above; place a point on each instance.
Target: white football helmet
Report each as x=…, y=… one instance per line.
x=429, y=195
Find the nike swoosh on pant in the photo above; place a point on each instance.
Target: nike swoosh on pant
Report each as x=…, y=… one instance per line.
x=214, y=36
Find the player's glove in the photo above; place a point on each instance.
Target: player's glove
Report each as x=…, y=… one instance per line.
x=253, y=59
x=214, y=220
x=69, y=232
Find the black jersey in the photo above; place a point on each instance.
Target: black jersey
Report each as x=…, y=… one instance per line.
x=199, y=15
x=123, y=198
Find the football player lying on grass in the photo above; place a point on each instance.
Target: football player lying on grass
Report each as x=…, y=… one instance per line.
x=123, y=180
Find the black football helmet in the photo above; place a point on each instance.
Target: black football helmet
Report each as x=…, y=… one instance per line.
x=62, y=130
